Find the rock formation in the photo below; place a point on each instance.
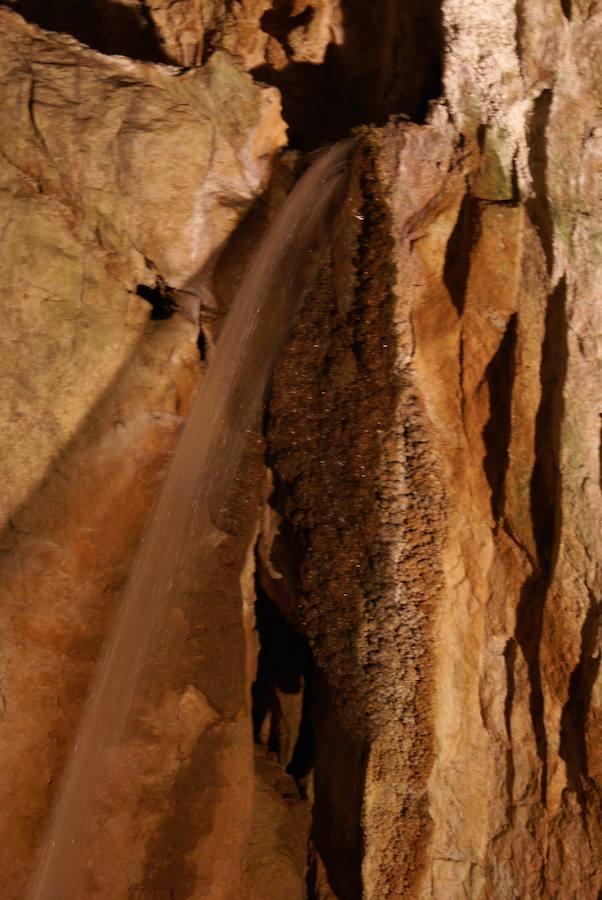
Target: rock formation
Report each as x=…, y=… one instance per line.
x=390, y=686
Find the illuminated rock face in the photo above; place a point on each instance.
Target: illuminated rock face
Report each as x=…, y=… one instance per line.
x=429, y=552
x=120, y=180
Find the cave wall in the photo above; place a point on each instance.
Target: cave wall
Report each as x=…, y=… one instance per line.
x=120, y=181
x=522, y=560
x=488, y=354
x=432, y=433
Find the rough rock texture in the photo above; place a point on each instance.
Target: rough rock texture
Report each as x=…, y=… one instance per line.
x=119, y=181
x=424, y=450
x=426, y=585
x=485, y=664
x=346, y=429
x=515, y=788
x=116, y=177
x=314, y=52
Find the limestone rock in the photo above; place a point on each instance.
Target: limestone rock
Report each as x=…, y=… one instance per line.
x=434, y=529
x=435, y=436
x=119, y=181
x=115, y=174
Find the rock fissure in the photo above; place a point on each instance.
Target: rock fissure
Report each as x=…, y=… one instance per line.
x=497, y=432
x=161, y=298
x=538, y=207
x=573, y=743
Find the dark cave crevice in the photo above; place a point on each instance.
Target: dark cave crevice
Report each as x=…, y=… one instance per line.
x=546, y=508
x=284, y=666
x=519, y=31
x=459, y=250
x=201, y=343
x=509, y=661
x=399, y=74
x=573, y=723
x=538, y=206
x=499, y=375
x=211, y=39
x=528, y=631
x=106, y=26
x=339, y=778
x=279, y=21
x=322, y=102
x=161, y=298
x=323, y=746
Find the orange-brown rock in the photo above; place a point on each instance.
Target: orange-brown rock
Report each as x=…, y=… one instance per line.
x=424, y=577
x=119, y=181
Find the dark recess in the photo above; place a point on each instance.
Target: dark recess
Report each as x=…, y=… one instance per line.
x=161, y=299
x=284, y=665
x=538, y=206
x=509, y=660
x=201, y=343
x=101, y=24
x=459, y=247
x=389, y=63
x=324, y=743
x=339, y=776
x=546, y=511
x=496, y=434
x=520, y=28
x=573, y=724
x=545, y=483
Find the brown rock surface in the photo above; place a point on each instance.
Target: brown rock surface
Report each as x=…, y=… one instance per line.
x=494, y=321
x=119, y=181
x=433, y=432
x=450, y=599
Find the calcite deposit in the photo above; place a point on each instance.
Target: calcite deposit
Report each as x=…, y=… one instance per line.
x=391, y=684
